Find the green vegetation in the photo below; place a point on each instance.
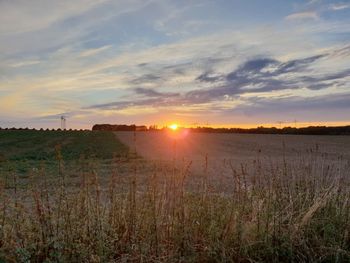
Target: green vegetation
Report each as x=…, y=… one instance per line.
x=40, y=145
x=21, y=150
x=282, y=212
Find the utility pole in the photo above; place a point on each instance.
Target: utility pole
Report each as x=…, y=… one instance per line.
x=280, y=123
x=63, y=123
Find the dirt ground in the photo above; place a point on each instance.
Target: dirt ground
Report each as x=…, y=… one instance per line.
x=240, y=147
x=227, y=151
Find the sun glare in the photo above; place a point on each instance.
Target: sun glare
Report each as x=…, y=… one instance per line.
x=173, y=127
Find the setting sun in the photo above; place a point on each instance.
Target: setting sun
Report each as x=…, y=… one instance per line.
x=173, y=126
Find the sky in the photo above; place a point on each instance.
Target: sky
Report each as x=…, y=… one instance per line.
x=212, y=62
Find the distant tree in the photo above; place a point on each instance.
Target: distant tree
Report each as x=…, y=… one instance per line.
x=153, y=128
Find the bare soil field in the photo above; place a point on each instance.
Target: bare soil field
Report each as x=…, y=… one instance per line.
x=221, y=154
x=239, y=147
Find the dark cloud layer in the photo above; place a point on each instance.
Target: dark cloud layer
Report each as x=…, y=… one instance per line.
x=209, y=77
x=256, y=105
x=256, y=75
x=147, y=78
x=153, y=93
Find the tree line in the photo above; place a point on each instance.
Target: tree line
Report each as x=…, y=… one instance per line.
x=311, y=130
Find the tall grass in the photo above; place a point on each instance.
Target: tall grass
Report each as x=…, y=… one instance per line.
x=287, y=211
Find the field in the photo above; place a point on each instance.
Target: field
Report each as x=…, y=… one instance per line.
x=25, y=149
x=218, y=154
x=80, y=196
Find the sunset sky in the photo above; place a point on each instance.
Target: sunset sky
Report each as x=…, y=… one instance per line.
x=231, y=63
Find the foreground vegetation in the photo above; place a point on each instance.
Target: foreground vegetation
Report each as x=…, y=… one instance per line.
x=282, y=212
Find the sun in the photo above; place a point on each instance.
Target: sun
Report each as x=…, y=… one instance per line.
x=173, y=126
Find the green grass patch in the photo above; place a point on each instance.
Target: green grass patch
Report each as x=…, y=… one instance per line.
x=24, y=149
x=40, y=145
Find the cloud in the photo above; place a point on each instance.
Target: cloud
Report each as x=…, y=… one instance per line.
x=209, y=77
x=266, y=75
x=94, y=51
x=120, y=105
x=149, y=98
x=303, y=16
x=311, y=2
x=25, y=63
x=20, y=16
x=296, y=65
x=261, y=75
x=147, y=78
x=250, y=68
x=68, y=114
x=329, y=102
x=219, y=89
x=153, y=93
x=339, y=6
x=41, y=27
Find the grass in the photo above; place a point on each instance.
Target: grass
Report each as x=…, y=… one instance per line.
x=284, y=212
x=23, y=150
x=40, y=145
